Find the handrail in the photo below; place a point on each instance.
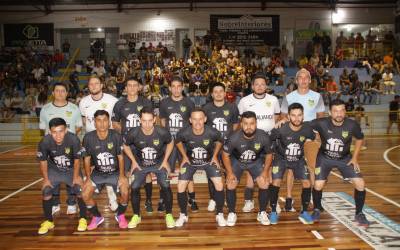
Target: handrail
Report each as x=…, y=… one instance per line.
x=70, y=63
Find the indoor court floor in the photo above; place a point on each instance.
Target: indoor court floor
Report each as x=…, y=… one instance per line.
x=21, y=213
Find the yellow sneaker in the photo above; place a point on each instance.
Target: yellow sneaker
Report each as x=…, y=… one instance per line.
x=82, y=227
x=134, y=221
x=45, y=227
x=169, y=220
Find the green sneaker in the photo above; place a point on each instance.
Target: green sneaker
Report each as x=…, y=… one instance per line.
x=134, y=221
x=169, y=220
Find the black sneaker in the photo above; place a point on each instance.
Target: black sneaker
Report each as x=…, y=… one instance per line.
x=362, y=220
x=161, y=207
x=289, y=205
x=193, y=205
x=149, y=206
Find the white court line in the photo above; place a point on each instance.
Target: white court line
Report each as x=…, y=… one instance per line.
x=20, y=190
x=317, y=235
x=331, y=248
x=13, y=149
x=374, y=193
x=386, y=158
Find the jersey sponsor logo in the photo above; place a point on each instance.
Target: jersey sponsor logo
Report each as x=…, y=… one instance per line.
x=105, y=159
x=335, y=145
x=156, y=142
x=257, y=146
x=220, y=124
x=199, y=153
x=67, y=150
x=293, y=149
x=265, y=117
x=175, y=120
x=110, y=145
x=183, y=108
x=248, y=155
x=132, y=121
x=62, y=161
x=149, y=153
x=345, y=134
x=226, y=112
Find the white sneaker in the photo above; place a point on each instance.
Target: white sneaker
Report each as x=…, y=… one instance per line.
x=211, y=205
x=55, y=209
x=231, y=220
x=181, y=220
x=220, y=220
x=248, y=206
x=112, y=198
x=71, y=209
x=262, y=217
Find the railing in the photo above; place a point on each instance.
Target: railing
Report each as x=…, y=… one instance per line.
x=69, y=67
x=354, y=50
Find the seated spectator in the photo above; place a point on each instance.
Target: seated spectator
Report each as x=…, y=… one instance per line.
x=224, y=52
x=387, y=78
x=388, y=60
x=332, y=90
x=344, y=82
x=99, y=70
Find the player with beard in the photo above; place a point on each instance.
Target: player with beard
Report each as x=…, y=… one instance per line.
x=247, y=149
x=289, y=154
x=336, y=133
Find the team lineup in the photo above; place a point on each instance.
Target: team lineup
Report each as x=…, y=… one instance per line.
x=126, y=142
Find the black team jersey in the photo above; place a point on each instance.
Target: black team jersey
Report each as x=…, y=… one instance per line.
x=176, y=113
x=60, y=157
x=289, y=144
x=248, y=150
x=148, y=149
x=199, y=148
x=128, y=113
x=103, y=152
x=222, y=118
x=336, y=140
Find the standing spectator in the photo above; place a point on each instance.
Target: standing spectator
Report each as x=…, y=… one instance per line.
x=394, y=113
x=132, y=47
x=121, y=46
x=326, y=43
x=65, y=49
x=340, y=40
x=369, y=39
x=317, y=41
x=359, y=44
x=186, y=44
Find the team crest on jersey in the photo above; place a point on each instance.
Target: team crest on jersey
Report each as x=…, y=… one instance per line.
x=110, y=145
x=183, y=108
x=139, y=108
x=104, y=105
x=302, y=138
x=68, y=113
x=226, y=112
x=311, y=102
x=275, y=169
x=67, y=150
x=268, y=104
x=156, y=142
x=345, y=134
x=257, y=146
x=206, y=142
x=317, y=170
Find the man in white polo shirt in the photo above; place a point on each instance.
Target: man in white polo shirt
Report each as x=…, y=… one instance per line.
x=268, y=111
x=97, y=100
x=314, y=108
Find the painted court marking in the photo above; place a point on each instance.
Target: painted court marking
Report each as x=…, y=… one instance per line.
x=386, y=158
x=20, y=190
x=13, y=149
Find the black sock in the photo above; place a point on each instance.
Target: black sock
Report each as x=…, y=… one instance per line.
x=305, y=199
x=82, y=208
x=219, y=200
x=167, y=192
x=135, y=200
x=231, y=200
x=94, y=211
x=263, y=199
x=359, y=197
x=47, y=209
x=211, y=189
x=317, y=197
x=273, y=191
x=248, y=194
x=148, y=187
x=182, y=201
x=121, y=208
x=192, y=196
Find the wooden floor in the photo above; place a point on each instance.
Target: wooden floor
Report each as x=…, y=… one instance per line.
x=21, y=214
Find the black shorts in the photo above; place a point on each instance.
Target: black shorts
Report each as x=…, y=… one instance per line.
x=187, y=171
x=57, y=177
x=175, y=156
x=140, y=176
x=99, y=180
x=325, y=165
x=299, y=169
x=255, y=168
